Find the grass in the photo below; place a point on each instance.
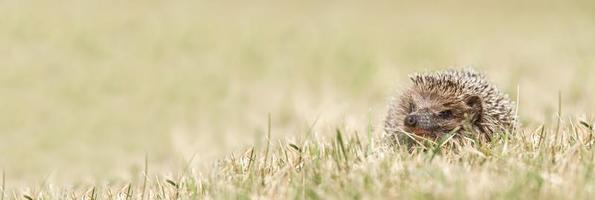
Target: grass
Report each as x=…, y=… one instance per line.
x=155, y=99
x=543, y=163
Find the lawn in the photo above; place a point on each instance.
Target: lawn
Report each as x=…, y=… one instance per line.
x=273, y=100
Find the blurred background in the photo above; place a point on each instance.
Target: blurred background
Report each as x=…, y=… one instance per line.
x=87, y=88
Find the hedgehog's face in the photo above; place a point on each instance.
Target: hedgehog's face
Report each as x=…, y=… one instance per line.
x=431, y=115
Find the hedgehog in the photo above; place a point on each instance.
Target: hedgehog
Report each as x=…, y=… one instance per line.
x=453, y=101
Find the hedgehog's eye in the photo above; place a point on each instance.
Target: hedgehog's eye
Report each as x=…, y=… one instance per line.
x=445, y=114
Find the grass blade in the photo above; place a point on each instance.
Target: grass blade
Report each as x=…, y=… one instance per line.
x=266, y=152
x=146, y=174
x=342, y=146
x=3, y=184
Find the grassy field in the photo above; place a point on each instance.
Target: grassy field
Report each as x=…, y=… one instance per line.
x=171, y=99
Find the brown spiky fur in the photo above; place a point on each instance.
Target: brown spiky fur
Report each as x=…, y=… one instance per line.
x=476, y=105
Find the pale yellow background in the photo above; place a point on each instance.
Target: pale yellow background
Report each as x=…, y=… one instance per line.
x=88, y=87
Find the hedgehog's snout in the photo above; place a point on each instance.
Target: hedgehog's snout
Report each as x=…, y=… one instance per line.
x=416, y=120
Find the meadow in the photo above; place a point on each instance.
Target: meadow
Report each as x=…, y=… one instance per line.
x=285, y=100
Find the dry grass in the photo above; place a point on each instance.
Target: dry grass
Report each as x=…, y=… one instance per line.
x=546, y=163
x=88, y=88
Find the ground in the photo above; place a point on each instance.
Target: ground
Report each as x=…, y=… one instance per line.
x=96, y=93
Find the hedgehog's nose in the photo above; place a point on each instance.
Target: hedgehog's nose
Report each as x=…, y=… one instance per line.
x=410, y=121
